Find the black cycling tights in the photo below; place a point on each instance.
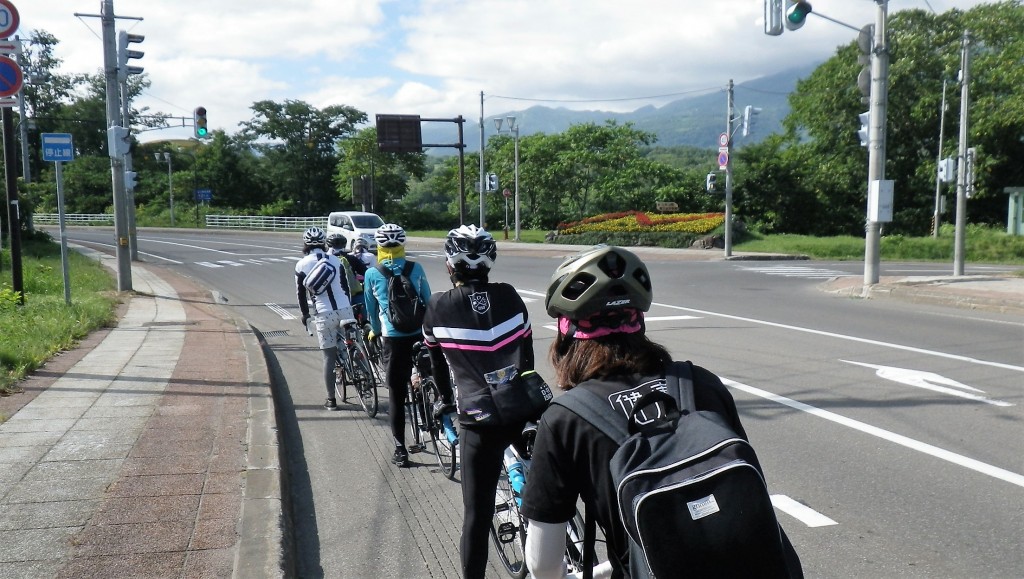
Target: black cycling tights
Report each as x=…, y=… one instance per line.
x=398, y=368
x=482, y=451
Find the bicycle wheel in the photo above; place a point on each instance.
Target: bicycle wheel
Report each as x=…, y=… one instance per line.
x=365, y=382
x=508, y=530
x=444, y=436
x=339, y=377
x=414, y=418
x=574, y=544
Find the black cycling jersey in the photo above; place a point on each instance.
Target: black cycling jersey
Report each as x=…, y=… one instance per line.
x=479, y=328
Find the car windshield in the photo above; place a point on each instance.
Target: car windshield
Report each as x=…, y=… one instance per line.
x=367, y=221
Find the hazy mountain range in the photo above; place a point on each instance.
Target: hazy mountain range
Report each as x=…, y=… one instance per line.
x=694, y=121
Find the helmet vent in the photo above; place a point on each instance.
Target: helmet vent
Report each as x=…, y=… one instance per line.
x=642, y=278
x=578, y=286
x=613, y=265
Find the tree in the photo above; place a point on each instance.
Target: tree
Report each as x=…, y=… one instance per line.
x=299, y=148
x=359, y=158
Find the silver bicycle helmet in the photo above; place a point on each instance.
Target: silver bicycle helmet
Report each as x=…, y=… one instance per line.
x=360, y=244
x=313, y=236
x=601, y=279
x=336, y=240
x=470, y=248
x=390, y=235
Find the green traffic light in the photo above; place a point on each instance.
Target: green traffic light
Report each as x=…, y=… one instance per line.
x=201, y=131
x=797, y=13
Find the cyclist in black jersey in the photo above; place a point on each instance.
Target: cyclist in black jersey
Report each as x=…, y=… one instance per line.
x=477, y=328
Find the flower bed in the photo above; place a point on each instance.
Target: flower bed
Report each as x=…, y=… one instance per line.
x=640, y=222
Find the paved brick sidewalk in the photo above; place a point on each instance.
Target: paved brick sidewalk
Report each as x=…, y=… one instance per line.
x=148, y=452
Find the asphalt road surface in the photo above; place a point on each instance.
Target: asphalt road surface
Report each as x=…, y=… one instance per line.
x=891, y=433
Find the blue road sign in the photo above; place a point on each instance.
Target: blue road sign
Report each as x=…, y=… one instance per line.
x=57, y=147
x=204, y=194
x=11, y=78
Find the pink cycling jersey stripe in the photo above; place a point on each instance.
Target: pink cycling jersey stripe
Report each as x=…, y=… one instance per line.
x=490, y=347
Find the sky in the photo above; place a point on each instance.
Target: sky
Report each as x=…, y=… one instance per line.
x=434, y=58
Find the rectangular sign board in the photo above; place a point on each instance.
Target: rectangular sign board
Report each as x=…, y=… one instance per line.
x=57, y=147
x=399, y=134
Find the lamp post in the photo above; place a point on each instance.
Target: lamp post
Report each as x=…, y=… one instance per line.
x=514, y=129
x=170, y=183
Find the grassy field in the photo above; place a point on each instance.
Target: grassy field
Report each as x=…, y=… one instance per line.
x=45, y=325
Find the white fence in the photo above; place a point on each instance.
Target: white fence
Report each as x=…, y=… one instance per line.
x=212, y=221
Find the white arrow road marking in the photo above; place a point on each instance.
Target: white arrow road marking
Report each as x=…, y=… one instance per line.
x=929, y=381
x=801, y=512
x=940, y=453
x=285, y=314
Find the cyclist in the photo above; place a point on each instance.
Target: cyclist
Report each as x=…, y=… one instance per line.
x=476, y=328
x=332, y=307
x=599, y=298
x=361, y=250
x=397, y=346
x=354, y=270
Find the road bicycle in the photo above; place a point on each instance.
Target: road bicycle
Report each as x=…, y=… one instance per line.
x=353, y=367
x=423, y=395
x=508, y=526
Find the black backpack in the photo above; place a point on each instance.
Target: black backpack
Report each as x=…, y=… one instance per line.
x=405, y=308
x=689, y=490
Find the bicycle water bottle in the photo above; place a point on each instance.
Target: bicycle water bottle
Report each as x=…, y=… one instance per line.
x=449, y=428
x=516, y=476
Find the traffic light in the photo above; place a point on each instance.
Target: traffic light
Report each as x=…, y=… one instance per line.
x=201, y=127
x=862, y=132
x=118, y=141
x=749, y=113
x=712, y=178
x=773, y=15
x=947, y=170
x=796, y=13
x=130, y=180
x=123, y=54
x=492, y=181
x=865, y=43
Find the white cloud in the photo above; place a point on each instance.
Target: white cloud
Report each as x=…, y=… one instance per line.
x=434, y=57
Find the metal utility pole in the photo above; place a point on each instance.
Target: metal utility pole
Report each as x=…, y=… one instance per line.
x=936, y=216
x=876, y=135
x=483, y=184
x=170, y=184
x=961, y=165
x=728, y=171
x=121, y=230
x=26, y=173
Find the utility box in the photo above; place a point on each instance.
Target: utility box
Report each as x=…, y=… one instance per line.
x=1015, y=219
x=880, y=201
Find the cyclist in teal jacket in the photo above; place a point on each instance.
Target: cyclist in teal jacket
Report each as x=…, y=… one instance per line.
x=396, y=346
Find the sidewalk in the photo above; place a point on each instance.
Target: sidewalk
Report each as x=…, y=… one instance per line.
x=149, y=451
x=1003, y=294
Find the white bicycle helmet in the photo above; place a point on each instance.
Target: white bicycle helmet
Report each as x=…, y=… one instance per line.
x=313, y=236
x=470, y=248
x=360, y=244
x=390, y=235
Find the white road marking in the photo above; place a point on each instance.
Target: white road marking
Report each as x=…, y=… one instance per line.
x=208, y=264
x=929, y=381
x=798, y=271
x=942, y=454
x=285, y=314
x=229, y=262
x=854, y=339
x=801, y=512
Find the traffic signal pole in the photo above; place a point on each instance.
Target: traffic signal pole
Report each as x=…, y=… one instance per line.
x=122, y=250
x=728, y=171
x=876, y=135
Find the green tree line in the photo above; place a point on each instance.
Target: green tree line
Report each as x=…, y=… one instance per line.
x=292, y=158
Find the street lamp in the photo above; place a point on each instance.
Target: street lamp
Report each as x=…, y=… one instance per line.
x=170, y=183
x=514, y=129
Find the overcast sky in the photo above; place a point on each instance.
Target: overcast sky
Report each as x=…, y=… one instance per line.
x=434, y=57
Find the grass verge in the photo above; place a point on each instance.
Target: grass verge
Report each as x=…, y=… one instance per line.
x=45, y=325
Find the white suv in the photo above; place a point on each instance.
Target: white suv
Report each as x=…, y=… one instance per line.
x=353, y=225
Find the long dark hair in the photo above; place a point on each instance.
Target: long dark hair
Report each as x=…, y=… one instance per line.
x=612, y=355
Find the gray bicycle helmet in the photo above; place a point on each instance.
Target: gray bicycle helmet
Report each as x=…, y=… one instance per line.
x=336, y=241
x=313, y=236
x=601, y=279
x=360, y=244
x=470, y=248
x=390, y=235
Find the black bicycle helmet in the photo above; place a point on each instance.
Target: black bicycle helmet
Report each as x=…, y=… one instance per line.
x=313, y=236
x=390, y=235
x=336, y=241
x=470, y=248
x=601, y=279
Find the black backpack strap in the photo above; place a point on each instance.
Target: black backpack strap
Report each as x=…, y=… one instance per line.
x=385, y=271
x=679, y=380
x=594, y=409
x=589, y=542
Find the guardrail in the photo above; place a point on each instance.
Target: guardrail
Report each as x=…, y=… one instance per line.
x=259, y=222
x=213, y=221
x=73, y=218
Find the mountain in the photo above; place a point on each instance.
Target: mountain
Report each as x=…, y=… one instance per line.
x=695, y=121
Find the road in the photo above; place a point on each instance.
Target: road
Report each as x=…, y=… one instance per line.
x=890, y=433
